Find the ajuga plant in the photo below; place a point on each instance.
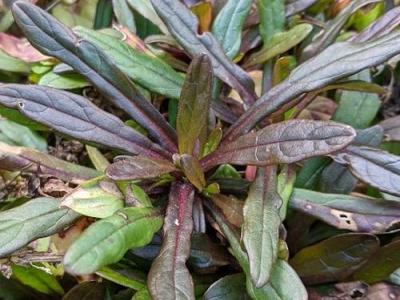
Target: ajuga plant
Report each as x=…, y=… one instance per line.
x=247, y=152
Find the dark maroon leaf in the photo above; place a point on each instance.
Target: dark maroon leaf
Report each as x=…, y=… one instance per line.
x=75, y=116
x=183, y=24
x=285, y=142
x=138, y=167
x=169, y=277
x=54, y=39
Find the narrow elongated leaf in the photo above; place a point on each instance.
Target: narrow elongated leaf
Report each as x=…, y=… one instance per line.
x=337, y=61
x=75, y=116
x=145, y=8
x=182, y=24
x=272, y=18
x=192, y=170
x=169, y=277
x=383, y=263
x=335, y=258
x=348, y=212
x=107, y=240
x=148, y=71
x=279, y=43
x=286, y=142
x=260, y=231
x=231, y=287
x=97, y=198
x=333, y=27
x=129, y=280
x=138, y=167
x=378, y=168
x=297, y=6
x=54, y=39
x=380, y=27
x=37, y=218
x=391, y=128
x=29, y=160
x=227, y=26
x=124, y=14
x=194, y=105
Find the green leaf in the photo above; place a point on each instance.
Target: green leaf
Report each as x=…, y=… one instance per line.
x=147, y=70
x=357, y=109
x=17, y=117
x=19, y=158
x=54, y=39
x=378, y=168
x=228, y=24
x=285, y=186
x=194, y=106
x=107, y=240
x=12, y=64
x=145, y=8
x=76, y=116
x=260, y=230
x=138, y=167
x=97, y=158
x=124, y=14
x=192, y=170
x=383, y=263
x=285, y=142
x=182, y=24
x=37, y=279
x=142, y=295
x=337, y=61
x=88, y=290
x=169, y=277
x=272, y=18
x=64, y=82
x=97, y=198
x=333, y=27
x=335, y=258
x=121, y=278
x=19, y=135
x=36, y=218
x=231, y=287
x=279, y=43
x=359, y=214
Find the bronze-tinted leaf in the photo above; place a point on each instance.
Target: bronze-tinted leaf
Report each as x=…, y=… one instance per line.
x=138, y=167
x=52, y=38
x=353, y=213
x=285, y=142
x=192, y=170
x=76, y=116
x=337, y=61
x=378, y=168
x=169, y=277
x=335, y=258
x=260, y=230
x=194, y=105
x=183, y=25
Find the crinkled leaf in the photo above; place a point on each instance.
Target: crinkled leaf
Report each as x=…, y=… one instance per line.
x=260, y=230
x=148, y=71
x=75, y=116
x=182, y=24
x=285, y=142
x=383, y=263
x=353, y=213
x=37, y=218
x=378, y=168
x=380, y=27
x=194, y=105
x=169, y=277
x=231, y=287
x=328, y=35
x=14, y=158
x=54, y=39
x=227, y=26
x=335, y=258
x=337, y=61
x=37, y=279
x=107, y=240
x=279, y=43
x=138, y=167
x=97, y=198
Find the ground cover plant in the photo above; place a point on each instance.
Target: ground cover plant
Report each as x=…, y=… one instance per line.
x=226, y=149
